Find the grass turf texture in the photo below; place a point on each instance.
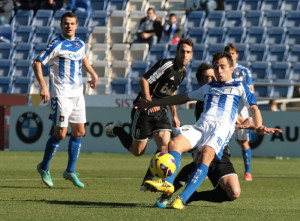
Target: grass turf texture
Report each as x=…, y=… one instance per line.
x=112, y=190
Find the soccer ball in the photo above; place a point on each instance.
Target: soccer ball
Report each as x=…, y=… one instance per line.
x=162, y=165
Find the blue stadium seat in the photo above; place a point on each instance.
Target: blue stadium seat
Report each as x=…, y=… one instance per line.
x=138, y=69
x=251, y=5
x=292, y=36
x=243, y=51
x=294, y=53
x=234, y=19
x=193, y=67
x=215, y=35
x=116, y=5
x=172, y=51
x=277, y=52
x=262, y=91
x=5, y=85
x=271, y=4
x=42, y=34
x=42, y=18
x=232, y=5
x=6, y=50
x=199, y=52
x=246, y=64
x=253, y=18
x=235, y=35
x=257, y=52
x=275, y=35
x=197, y=34
x=255, y=35
x=260, y=70
x=292, y=19
x=280, y=70
x=23, y=33
x=288, y=5
x=273, y=18
x=295, y=73
x=213, y=48
x=119, y=86
x=38, y=48
x=99, y=4
x=6, y=67
x=23, y=51
x=282, y=89
x=21, y=85
x=6, y=33
x=183, y=87
x=99, y=18
x=195, y=19
x=214, y=19
x=22, y=68
x=83, y=33
x=157, y=52
x=135, y=85
x=83, y=18
x=194, y=84
x=55, y=21
x=22, y=17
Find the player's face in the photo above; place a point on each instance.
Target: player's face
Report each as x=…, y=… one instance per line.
x=150, y=15
x=223, y=71
x=68, y=27
x=184, y=54
x=234, y=55
x=208, y=75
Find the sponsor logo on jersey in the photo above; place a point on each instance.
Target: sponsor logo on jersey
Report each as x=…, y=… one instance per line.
x=74, y=56
x=76, y=43
x=237, y=73
x=61, y=118
x=221, y=90
x=42, y=54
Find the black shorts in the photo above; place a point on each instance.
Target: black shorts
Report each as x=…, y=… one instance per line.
x=144, y=124
x=218, y=169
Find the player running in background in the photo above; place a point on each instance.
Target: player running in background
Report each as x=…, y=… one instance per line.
x=213, y=130
x=162, y=80
x=241, y=73
x=65, y=55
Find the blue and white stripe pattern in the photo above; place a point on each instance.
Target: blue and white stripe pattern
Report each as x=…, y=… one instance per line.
x=65, y=60
x=222, y=101
x=241, y=73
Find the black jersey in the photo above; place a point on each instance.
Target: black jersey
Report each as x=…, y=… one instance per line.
x=164, y=78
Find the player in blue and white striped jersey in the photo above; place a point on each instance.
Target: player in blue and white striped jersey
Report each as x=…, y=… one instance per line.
x=213, y=130
x=66, y=56
x=241, y=73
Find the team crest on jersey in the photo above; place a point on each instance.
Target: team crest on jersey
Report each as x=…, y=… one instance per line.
x=76, y=43
x=61, y=118
x=42, y=54
x=158, y=73
x=237, y=73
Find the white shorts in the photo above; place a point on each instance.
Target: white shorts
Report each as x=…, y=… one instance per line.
x=213, y=134
x=243, y=134
x=67, y=109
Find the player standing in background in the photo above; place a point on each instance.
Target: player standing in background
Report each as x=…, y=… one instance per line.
x=213, y=130
x=241, y=73
x=162, y=80
x=66, y=56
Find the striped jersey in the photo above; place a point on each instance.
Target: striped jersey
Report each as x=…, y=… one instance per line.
x=222, y=101
x=241, y=73
x=65, y=60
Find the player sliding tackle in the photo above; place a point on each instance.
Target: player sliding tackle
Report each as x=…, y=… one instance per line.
x=222, y=100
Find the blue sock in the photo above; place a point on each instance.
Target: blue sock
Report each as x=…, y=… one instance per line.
x=247, y=159
x=195, y=181
x=51, y=147
x=177, y=157
x=73, y=150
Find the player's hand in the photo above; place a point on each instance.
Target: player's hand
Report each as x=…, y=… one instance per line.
x=246, y=124
x=142, y=104
x=263, y=130
x=93, y=82
x=44, y=93
x=176, y=122
x=154, y=109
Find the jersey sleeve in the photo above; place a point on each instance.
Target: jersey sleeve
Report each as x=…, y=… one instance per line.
x=49, y=52
x=247, y=95
x=155, y=72
x=198, y=94
x=249, y=79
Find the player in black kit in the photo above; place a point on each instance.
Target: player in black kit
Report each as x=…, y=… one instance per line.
x=160, y=81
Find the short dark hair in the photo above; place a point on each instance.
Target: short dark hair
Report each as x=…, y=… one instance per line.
x=232, y=47
x=68, y=15
x=222, y=54
x=149, y=9
x=187, y=41
x=172, y=14
x=200, y=71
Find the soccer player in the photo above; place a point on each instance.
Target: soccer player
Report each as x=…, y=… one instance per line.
x=213, y=130
x=66, y=56
x=162, y=80
x=241, y=73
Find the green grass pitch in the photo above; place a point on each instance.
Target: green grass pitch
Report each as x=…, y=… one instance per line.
x=112, y=190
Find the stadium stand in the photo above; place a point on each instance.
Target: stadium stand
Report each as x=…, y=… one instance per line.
x=99, y=4
x=135, y=85
x=280, y=70
x=6, y=33
x=175, y=5
x=83, y=18
x=139, y=51
x=213, y=48
x=116, y=5
x=23, y=17
x=215, y=35
x=120, y=69
x=271, y=4
x=294, y=53
x=255, y=35
x=6, y=67
x=5, y=85
x=22, y=68
x=102, y=68
x=235, y=34
x=292, y=19
x=42, y=34
x=257, y=52
x=250, y=5
x=195, y=19
x=21, y=85
x=232, y=5
x=197, y=34
x=289, y=5
x=136, y=5
x=214, y=19
x=295, y=73
x=199, y=52
x=273, y=18
x=99, y=18
x=234, y=19
x=120, y=52
x=23, y=51
x=138, y=69
x=119, y=86
x=277, y=52
x=99, y=35
x=42, y=18
x=23, y=33
x=157, y=52
x=275, y=35
x=253, y=18
x=99, y=52
x=260, y=70
x=184, y=86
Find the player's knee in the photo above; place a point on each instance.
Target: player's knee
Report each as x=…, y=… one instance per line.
x=78, y=134
x=59, y=136
x=234, y=194
x=137, y=151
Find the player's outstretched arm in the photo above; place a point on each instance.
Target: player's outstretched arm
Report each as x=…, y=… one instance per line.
x=44, y=92
x=86, y=64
